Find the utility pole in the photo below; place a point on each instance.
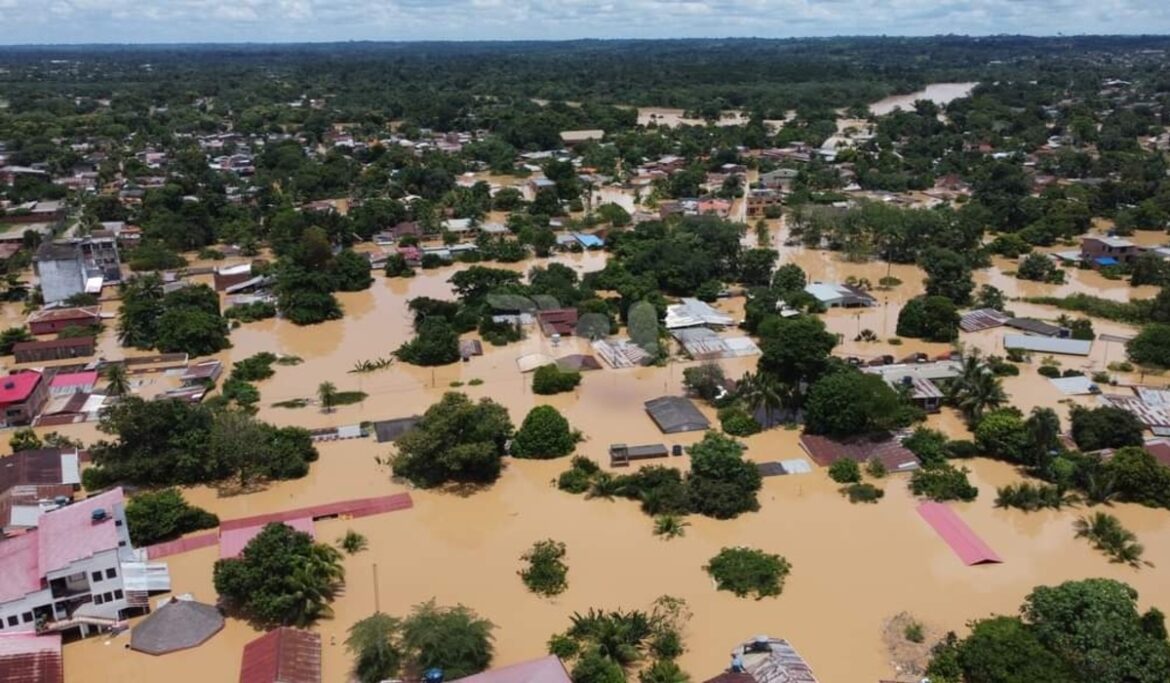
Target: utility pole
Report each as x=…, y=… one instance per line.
x=377, y=602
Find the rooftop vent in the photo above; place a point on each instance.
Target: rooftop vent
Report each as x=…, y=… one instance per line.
x=99, y=515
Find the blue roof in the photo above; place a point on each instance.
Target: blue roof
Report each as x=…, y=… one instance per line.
x=589, y=241
x=1106, y=261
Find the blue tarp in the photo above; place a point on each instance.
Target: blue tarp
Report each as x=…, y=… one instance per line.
x=1106, y=261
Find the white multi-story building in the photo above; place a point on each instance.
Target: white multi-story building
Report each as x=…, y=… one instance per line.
x=76, y=570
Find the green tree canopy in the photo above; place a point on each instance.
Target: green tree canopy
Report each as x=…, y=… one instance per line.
x=282, y=577
x=545, y=433
x=848, y=402
x=155, y=516
x=455, y=441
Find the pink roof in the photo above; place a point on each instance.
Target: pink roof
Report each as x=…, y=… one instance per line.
x=969, y=547
x=16, y=388
x=232, y=541
x=18, y=556
x=75, y=379
x=70, y=534
x=544, y=670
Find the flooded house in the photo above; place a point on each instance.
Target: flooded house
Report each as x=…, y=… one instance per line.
x=77, y=571
x=22, y=395
x=1100, y=251
x=33, y=482
x=76, y=267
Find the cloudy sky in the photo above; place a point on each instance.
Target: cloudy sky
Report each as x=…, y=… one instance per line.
x=146, y=21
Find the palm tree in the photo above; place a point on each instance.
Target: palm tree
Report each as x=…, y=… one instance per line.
x=327, y=395
x=1106, y=534
x=670, y=526
x=976, y=390
x=118, y=382
x=761, y=390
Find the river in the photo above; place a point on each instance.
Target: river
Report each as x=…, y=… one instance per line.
x=939, y=93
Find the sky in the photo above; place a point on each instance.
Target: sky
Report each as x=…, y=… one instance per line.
x=191, y=21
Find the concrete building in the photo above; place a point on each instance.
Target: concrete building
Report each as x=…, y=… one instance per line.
x=22, y=395
x=76, y=571
x=68, y=268
x=1108, y=251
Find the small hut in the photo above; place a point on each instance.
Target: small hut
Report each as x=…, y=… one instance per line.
x=177, y=625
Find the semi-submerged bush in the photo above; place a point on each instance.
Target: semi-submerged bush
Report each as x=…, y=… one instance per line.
x=546, y=572
x=550, y=379
x=721, y=484
x=747, y=571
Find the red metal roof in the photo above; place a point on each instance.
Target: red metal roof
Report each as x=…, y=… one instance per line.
x=969, y=547
x=29, y=658
x=233, y=541
x=181, y=545
x=75, y=379
x=286, y=655
x=18, y=387
x=361, y=507
x=62, y=314
x=825, y=451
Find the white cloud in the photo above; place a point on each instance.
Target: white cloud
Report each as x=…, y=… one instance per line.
x=115, y=21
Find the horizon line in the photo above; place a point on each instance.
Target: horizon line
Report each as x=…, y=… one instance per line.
x=551, y=41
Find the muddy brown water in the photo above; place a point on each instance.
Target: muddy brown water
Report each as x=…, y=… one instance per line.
x=854, y=566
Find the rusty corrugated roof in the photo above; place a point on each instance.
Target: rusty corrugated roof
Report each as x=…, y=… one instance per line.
x=285, y=655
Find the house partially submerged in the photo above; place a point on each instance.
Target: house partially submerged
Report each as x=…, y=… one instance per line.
x=675, y=414
x=1068, y=347
x=694, y=313
x=284, y=655
x=825, y=451
x=544, y=670
x=54, y=320
x=766, y=660
x=180, y=624
x=839, y=296
x=53, y=349
x=34, y=482
x=700, y=343
x=76, y=570
x=26, y=657
x=922, y=380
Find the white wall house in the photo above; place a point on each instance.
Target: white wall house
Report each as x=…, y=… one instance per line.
x=76, y=570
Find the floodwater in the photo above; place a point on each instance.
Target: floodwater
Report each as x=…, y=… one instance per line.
x=939, y=93
x=854, y=566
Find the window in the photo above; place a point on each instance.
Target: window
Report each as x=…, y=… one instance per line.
x=111, y=573
x=97, y=576
x=118, y=594
x=26, y=617
x=13, y=621
x=109, y=597
x=117, y=522
x=97, y=599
